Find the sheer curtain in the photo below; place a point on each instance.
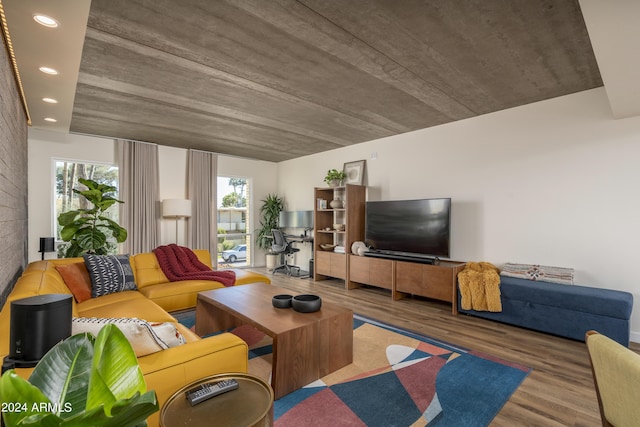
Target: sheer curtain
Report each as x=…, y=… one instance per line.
x=203, y=174
x=139, y=189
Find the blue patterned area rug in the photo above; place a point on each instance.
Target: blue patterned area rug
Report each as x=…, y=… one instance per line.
x=397, y=378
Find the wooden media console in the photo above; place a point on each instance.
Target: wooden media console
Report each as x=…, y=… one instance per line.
x=437, y=281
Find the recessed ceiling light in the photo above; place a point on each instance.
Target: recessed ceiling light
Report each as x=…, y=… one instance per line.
x=50, y=119
x=49, y=70
x=45, y=20
x=50, y=100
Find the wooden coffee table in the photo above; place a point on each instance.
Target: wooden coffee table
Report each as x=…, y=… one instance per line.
x=306, y=346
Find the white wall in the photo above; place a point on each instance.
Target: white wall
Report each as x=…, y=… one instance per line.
x=552, y=183
x=44, y=147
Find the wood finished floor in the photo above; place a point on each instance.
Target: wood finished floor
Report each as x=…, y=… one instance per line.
x=558, y=392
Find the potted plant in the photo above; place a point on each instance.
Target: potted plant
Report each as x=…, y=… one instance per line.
x=89, y=230
x=334, y=177
x=81, y=381
x=270, y=210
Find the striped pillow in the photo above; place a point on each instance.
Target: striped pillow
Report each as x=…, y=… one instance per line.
x=145, y=337
x=540, y=273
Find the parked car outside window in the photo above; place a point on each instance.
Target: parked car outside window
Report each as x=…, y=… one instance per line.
x=238, y=253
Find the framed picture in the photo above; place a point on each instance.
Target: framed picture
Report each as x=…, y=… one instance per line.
x=354, y=172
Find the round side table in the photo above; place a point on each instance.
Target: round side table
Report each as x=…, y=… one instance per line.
x=251, y=404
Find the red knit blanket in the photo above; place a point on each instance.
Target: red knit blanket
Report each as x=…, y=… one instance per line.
x=180, y=263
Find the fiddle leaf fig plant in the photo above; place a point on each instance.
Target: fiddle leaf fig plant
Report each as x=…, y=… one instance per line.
x=89, y=230
x=81, y=381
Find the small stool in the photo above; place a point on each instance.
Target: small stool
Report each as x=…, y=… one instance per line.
x=251, y=404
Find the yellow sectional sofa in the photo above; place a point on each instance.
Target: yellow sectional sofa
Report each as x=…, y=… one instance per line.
x=165, y=371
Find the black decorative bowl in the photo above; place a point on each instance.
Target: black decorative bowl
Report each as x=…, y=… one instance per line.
x=281, y=301
x=306, y=303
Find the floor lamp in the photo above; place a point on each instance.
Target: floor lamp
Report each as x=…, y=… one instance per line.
x=176, y=208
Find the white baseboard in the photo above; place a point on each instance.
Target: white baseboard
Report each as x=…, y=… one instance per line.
x=634, y=337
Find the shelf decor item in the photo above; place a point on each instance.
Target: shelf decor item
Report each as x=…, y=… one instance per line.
x=354, y=172
x=336, y=204
x=334, y=178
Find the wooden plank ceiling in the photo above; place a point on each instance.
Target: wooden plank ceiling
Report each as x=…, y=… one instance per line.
x=280, y=79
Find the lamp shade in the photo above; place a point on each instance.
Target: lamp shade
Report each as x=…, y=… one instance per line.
x=176, y=208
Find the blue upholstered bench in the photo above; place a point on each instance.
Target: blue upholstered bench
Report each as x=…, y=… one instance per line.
x=565, y=310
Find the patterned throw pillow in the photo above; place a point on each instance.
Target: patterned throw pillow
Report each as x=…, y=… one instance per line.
x=540, y=273
x=144, y=337
x=109, y=274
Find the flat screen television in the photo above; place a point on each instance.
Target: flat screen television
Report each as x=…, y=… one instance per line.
x=419, y=228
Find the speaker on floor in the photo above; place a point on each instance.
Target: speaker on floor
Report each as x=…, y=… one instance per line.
x=37, y=324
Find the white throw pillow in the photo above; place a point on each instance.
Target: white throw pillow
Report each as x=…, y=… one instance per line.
x=145, y=337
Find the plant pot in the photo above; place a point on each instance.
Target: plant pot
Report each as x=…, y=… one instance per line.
x=272, y=261
x=335, y=183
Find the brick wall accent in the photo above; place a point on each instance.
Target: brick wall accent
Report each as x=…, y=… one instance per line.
x=13, y=178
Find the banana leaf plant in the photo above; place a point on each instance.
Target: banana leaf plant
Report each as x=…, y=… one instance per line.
x=89, y=230
x=82, y=381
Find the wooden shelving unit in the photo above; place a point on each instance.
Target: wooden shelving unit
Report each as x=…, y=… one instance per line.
x=328, y=263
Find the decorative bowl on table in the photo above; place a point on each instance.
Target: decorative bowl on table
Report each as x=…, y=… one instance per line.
x=281, y=301
x=306, y=303
x=327, y=247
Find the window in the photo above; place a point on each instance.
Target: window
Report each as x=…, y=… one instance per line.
x=234, y=237
x=67, y=174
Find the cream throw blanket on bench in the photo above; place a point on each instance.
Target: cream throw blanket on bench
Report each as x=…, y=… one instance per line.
x=479, y=285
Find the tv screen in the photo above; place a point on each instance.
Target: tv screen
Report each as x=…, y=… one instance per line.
x=411, y=227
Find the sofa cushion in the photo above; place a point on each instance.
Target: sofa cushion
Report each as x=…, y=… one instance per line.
x=77, y=279
x=182, y=287
x=605, y=302
x=244, y=277
x=148, y=271
x=145, y=337
x=124, y=304
x=51, y=281
x=109, y=274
